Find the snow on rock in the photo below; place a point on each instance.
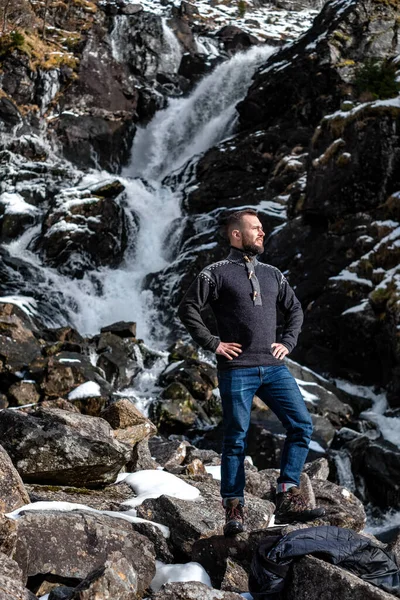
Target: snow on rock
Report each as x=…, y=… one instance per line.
x=191, y=571
x=89, y=389
x=153, y=484
x=70, y=506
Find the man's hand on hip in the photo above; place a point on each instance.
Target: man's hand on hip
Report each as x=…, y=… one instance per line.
x=279, y=351
x=229, y=349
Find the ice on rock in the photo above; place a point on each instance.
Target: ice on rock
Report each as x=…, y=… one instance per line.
x=89, y=389
x=191, y=571
x=153, y=484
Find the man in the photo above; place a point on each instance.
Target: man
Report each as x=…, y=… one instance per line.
x=244, y=294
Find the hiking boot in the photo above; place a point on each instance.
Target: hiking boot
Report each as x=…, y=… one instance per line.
x=234, y=522
x=291, y=507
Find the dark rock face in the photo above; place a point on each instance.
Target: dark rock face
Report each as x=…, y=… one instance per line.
x=86, y=136
x=83, y=233
x=120, y=358
x=60, y=447
x=95, y=538
x=375, y=465
x=12, y=491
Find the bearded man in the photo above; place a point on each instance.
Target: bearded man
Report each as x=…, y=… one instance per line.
x=244, y=294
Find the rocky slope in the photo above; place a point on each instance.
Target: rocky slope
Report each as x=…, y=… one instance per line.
x=70, y=531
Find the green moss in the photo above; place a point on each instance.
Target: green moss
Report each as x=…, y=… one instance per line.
x=242, y=7
x=377, y=78
x=10, y=42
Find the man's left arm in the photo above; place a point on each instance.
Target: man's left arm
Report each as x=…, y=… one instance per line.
x=290, y=306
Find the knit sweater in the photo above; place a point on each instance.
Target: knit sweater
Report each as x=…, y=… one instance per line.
x=243, y=294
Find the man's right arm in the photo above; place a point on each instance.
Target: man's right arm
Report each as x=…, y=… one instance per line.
x=200, y=292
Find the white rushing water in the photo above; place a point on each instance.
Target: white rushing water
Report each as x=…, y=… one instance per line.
x=189, y=126
x=185, y=128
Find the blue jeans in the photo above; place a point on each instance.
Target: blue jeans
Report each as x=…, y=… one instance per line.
x=279, y=390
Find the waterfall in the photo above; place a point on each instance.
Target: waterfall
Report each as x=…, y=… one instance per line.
x=172, y=52
x=187, y=127
x=190, y=126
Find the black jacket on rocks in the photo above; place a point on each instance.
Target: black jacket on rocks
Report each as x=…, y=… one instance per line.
x=341, y=547
x=243, y=294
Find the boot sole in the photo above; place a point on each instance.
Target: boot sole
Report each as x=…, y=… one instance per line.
x=287, y=520
x=231, y=530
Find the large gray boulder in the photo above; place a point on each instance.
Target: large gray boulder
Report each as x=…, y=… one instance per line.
x=193, y=590
x=191, y=520
x=67, y=546
x=11, y=586
x=60, y=447
x=313, y=579
x=12, y=491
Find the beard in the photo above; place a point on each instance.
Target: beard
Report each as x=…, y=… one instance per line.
x=251, y=248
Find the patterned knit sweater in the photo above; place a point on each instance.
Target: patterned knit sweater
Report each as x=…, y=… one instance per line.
x=243, y=294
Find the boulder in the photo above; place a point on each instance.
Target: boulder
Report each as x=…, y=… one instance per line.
x=343, y=509
x=122, y=329
x=109, y=497
x=117, y=578
x=18, y=344
x=23, y=392
x=83, y=232
x=198, y=377
x=11, y=585
x=193, y=590
x=59, y=447
x=8, y=535
x=141, y=458
x=190, y=521
x=12, y=491
x=313, y=578
x=168, y=453
x=120, y=358
x=67, y=546
x=122, y=414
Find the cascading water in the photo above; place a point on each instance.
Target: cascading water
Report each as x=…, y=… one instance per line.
x=187, y=127
x=190, y=126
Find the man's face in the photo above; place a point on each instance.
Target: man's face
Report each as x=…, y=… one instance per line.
x=251, y=234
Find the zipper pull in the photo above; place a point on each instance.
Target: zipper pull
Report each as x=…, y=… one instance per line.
x=251, y=274
x=255, y=294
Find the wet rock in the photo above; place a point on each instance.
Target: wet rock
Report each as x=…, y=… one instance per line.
x=12, y=491
x=23, y=392
x=235, y=39
x=11, y=585
x=343, y=509
x=60, y=447
x=375, y=464
x=94, y=538
x=176, y=415
x=120, y=359
x=122, y=329
x=181, y=351
x=192, y=590
x=83, y=232
x=9, y=113
x=313, y=578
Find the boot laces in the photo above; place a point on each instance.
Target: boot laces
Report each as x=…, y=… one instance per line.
x=234, y=513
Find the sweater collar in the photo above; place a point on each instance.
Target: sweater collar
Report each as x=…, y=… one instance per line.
x=236, y=255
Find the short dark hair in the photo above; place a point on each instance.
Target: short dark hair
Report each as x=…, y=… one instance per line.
x=234, y=220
